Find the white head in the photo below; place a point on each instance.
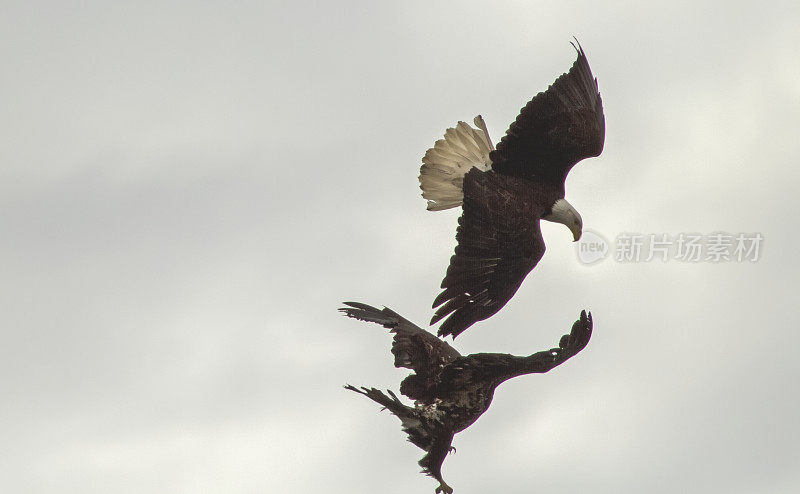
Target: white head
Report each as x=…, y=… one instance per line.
x=564, y=213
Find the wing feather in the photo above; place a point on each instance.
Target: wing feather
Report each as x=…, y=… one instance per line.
x=499, y=243
x=412, y=347
x=556, y=129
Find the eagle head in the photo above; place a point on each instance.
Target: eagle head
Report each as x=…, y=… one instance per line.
x=563, y=212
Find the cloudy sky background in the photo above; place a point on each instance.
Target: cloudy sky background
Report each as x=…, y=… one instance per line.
x=188, y=190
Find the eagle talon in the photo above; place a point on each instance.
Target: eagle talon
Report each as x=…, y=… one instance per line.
x=444, y=488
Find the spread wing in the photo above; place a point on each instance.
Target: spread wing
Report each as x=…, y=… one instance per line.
x=412, y=347
x=489, y=366
x=499, y=243
x=556, y=129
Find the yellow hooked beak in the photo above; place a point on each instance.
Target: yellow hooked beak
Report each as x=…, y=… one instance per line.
x=577, y=231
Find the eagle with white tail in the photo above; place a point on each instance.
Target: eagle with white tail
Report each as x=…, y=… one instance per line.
x=504, y=192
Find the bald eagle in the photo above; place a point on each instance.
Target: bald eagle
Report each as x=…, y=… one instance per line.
x=504, y=192
x=451, y=391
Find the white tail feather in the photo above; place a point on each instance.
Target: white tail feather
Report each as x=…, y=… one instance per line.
x=441, y=176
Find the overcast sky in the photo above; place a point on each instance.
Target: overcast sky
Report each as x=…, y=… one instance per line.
x=188, y=191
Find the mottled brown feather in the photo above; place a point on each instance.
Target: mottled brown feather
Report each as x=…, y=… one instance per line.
x=460, y=390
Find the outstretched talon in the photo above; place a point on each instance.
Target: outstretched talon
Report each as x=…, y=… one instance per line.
x=452, y=449
x=444, y=488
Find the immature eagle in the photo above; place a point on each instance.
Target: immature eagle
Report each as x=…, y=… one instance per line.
x=504, y=192
x=451, y=391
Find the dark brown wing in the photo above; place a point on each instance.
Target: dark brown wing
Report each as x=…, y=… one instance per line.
x=412, y=347
x=494, y=368
x=556, y=129
x=499, y=243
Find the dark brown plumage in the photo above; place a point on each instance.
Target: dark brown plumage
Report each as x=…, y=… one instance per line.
x=451, y=391
x=499, y=239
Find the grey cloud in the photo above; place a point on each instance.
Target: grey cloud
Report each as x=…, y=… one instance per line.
x=189, y=193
